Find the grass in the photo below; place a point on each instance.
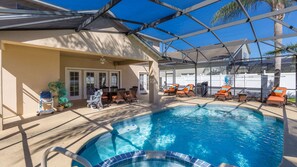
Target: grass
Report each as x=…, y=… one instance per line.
x=292, y=100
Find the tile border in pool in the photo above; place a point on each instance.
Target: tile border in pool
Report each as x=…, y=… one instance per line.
x=153, y=155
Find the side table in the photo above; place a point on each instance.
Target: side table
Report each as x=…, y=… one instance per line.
x=242, y=97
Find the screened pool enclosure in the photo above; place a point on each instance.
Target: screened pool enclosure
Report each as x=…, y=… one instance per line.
x=252, y=44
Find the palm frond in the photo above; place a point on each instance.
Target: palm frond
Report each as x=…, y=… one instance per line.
x=285, y=50
x=233, y=10
x=288, y=3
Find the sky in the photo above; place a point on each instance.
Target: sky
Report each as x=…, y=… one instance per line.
x=146, y=12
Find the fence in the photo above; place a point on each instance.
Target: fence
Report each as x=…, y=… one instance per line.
x=247, y=82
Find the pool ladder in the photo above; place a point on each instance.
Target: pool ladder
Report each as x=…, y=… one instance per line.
x=65, y=152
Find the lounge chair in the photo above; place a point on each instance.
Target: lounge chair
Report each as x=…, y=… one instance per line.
x=95, y=100
x=172, y=89
x=187, y=91
x=120, y=97
x=224, y=93
x=277, y=96
x=132, y=95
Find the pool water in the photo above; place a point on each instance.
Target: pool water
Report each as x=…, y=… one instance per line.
x=213, y=133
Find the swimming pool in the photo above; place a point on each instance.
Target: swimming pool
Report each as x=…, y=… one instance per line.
x=213, y=133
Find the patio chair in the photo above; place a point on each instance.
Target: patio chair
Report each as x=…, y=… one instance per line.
x=120, y=97
x=105, y=97
x=95, y=100
x=224, y=93
x=187, y=91
x=172, y=89
x=132, y=95
x=277, y=96
x=46, y=103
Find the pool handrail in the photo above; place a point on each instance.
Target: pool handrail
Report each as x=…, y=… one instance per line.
x=65, y=152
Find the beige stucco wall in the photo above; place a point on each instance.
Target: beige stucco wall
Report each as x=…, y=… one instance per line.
x=25, y=72
x=100, y=43
x=130, y=74
x=82, y=62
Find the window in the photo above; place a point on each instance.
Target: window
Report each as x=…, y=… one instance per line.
x=74, y=84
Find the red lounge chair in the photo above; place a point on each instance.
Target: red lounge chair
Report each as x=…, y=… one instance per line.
x=172, y=89
x=224, y=93
x=277, y=96
x=187, y=91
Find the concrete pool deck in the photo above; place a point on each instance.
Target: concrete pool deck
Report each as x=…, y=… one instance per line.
x=25, y=140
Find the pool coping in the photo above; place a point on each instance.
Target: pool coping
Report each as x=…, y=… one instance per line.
x=175, y=104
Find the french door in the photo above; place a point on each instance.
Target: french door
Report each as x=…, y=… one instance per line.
x=94, y=79
x=114, y=79
x=74, y=84
x=143, y=83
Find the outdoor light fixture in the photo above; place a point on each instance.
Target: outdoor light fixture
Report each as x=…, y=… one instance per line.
x=102, y=60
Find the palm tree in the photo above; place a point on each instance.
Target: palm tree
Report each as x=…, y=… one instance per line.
x=284, y=50
x=232, y=10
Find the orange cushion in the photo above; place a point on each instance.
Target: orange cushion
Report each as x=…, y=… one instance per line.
x=225, y=94
x=180, y=92
x=171, y=89
x=275, y=98
x=223, y=91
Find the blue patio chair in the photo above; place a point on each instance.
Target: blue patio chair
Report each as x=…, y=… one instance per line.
x=45, y=98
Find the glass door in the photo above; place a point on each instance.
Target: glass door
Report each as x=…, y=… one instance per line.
x=143, y=82
x=114, y=79
x=74, y=84
x=102, y=79
x=89, y=84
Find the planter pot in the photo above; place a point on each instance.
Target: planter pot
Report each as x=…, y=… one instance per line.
x=60, y=108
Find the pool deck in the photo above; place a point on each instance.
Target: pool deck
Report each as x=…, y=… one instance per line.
x=25, y=138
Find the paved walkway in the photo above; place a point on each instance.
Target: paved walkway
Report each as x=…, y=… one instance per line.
x=24, y=141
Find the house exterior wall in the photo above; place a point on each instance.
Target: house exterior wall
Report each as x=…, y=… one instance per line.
x=102, y=44
x=22, y=70
x=130, y=74
x=25, y=53
x=81, y=62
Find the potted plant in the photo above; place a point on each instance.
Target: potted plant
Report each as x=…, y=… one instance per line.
x=59, y=94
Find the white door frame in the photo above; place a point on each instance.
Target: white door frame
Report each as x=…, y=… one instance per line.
x=146, y=89
x=82, y=78
x=96, y=80
x=67, y=84
x=118, y=78
x=85, y=83
x=107, y=77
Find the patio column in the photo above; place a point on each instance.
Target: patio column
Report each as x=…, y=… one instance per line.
x=174, y=76
x=153, y=82
x=196, y=79
x=210, y=80
x=296, y=80
x=1, y=94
